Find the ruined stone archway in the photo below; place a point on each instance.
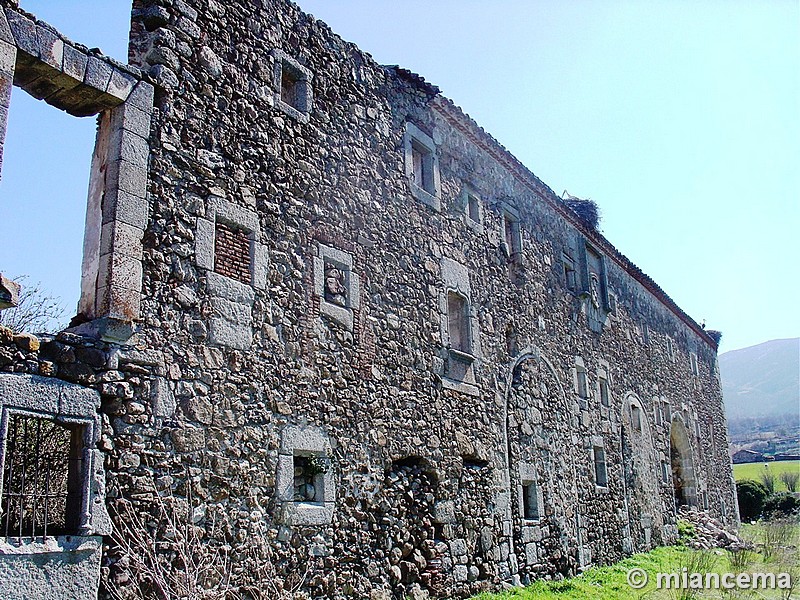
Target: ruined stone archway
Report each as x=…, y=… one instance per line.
x=683, y=475
x=541, y=456
x=39, y=60
x=640, y=471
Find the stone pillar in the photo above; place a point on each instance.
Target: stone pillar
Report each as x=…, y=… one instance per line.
x=116, y=215
x=8, y=58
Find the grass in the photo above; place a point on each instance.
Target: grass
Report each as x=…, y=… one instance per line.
x=610, y=583
x=754, y=470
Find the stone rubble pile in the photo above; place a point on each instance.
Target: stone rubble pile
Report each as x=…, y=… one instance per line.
x=710, y=533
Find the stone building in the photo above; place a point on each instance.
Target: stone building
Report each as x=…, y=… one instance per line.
x=333, y=338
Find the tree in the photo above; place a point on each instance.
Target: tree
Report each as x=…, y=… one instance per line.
x=751, y=496
x=37, y=312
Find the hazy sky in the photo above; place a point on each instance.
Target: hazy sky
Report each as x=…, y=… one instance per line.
x=680, y=119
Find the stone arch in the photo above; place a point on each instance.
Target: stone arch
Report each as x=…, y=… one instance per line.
x=640, y=476
x=684, y=480
x=539, y=427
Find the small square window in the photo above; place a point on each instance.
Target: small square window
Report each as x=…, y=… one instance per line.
x=289, y=86
x=458, y=322
x=308, y=482
x=530, y=500
x=600, y=473
x=293, y=92
x=605, y=399
x=422, y=167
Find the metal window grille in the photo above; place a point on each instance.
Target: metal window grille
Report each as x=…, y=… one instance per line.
x=41, y=478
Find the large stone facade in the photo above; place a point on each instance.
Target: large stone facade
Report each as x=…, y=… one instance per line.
x=363, y=349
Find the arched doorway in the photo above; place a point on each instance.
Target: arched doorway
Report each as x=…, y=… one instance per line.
x=683, y=476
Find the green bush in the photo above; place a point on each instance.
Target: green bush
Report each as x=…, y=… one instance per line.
x=782, y=504
x=686, y=532
x=751, y=496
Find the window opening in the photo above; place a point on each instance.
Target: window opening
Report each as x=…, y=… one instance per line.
x=583, y=388
x=570, y=275
x=636, y=417
x=42, y=478
x=511, y=234
x=458, y=322
x=422, y=167
x=530, y=500
x=289, y=81
x=308, y=471
x=605, y=399
x=473, y=208
x=600, y=473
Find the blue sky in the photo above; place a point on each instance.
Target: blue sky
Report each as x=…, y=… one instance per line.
x=680, y=119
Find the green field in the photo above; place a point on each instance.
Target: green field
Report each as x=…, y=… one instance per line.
x=754, y=470
x=776, y=552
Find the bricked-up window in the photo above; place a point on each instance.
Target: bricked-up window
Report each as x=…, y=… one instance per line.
x=42, y=478
x=458, y=322
x=600, y=472
x=232, y=252
x=530, y=500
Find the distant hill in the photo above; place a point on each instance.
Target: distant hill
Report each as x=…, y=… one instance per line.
x=762, y=380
